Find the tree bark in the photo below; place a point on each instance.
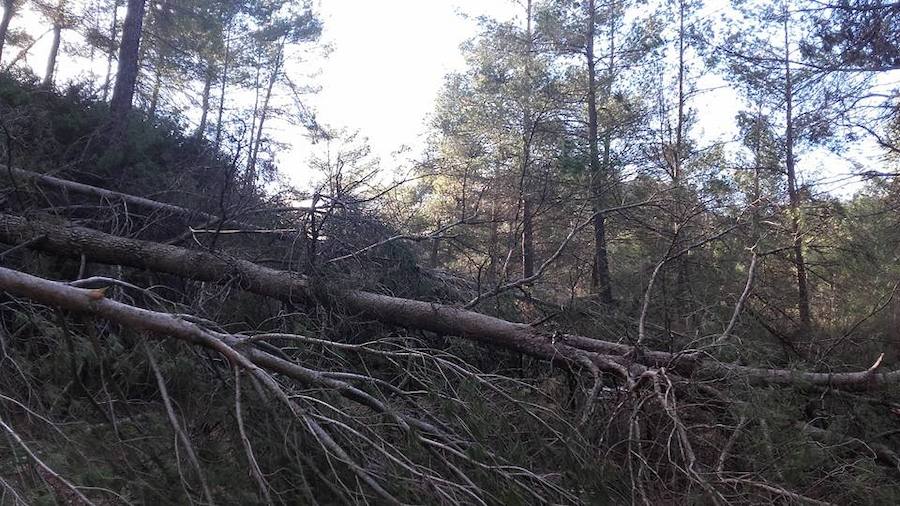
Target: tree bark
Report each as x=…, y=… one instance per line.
x=204, y=105
x=9, y=10
x=113, y=29
x=51, y=58
x=527, y=133
x=225, y=63
x=793, y=193
x=567, y=350
x=128, y=67
x=600, y=279
x=154, y=94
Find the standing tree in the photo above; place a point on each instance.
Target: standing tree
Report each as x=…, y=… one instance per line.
x=808, y=102
x=10, y=7
x=59, y=14
x=128, y=68
x=281, y=24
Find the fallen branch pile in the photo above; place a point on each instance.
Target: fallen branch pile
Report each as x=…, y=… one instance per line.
x=648, y=401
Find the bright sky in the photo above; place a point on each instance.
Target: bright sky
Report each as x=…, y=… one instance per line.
x=387, y=64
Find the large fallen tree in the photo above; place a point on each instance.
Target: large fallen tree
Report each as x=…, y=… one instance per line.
x=574, y=351
x=242, y=353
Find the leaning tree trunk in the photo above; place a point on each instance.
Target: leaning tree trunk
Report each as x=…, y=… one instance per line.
x=128, y=68
x=263, y=113
x=51, y=58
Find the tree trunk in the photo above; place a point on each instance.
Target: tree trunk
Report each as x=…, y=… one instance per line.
x=527, y=133
x=8, y=13
x=109, y=57
x=154, y=94
x=793, y=193
x=204, y=105
x=66, y=187
x=492, y=274
x=566, y=349
x=51, y=58
x=600, y=278
x=527, y=238
x=225, y=63
x=128, y=68
x=263, y=112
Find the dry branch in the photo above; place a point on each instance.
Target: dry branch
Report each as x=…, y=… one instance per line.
x=242, y=354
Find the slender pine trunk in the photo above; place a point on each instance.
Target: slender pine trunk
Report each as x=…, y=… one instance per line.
x=109, y=57
x=793, y=192
x=600, y=278
x=204, y=105
x=51, y=58
x=527, y=132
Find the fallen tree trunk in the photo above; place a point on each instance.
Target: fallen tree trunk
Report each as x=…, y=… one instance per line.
x=241, y=353
x=203, y=266
x=205, y=219
x=64, y=185
x=566, y=349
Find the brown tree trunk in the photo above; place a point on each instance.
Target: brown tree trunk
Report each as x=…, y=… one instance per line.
x=51, y=58
x=793, y=193
x=600, y=278
x=128, y=68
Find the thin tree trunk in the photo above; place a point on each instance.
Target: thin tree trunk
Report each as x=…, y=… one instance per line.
x=527, y=132
x=683, y=295
x=204, y=106
x=109, y=57
x=793, y=193
x=263, y=112
x=51, y=58
x=527, y=238
x=600, y=278
x=225, y=64
x=492, y=274
x=154, y=95
x=128, y=68
x=8, y=13
x=756, y=233
x=679, y=127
